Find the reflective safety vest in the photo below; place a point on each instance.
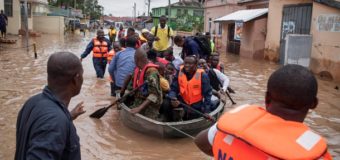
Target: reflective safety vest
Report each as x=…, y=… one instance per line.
x=110, y=55
x=138, y=78
x=191, y=91
x=100, y=49
x=250, y=132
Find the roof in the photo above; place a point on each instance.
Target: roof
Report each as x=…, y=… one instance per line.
x=331, y=3
x=243, y=15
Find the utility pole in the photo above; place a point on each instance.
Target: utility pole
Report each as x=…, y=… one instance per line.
x=149, y=1
x=134, y=12
x=169, y=13
x=26, y=24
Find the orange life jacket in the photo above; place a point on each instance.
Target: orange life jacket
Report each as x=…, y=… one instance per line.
x=110, y=55
x=250, y=132
x=138, y=79
x=100, y=49
x=191, y=91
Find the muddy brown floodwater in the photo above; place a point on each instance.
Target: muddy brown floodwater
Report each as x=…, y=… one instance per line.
x=22, y=76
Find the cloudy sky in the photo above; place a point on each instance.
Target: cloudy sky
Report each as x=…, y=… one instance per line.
x=125, y=7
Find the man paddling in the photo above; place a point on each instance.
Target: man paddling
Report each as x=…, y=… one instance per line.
x=148, y=99
x=45, y=129
x=274, y=132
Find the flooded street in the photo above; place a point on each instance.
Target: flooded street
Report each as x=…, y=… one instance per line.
x=23, y=76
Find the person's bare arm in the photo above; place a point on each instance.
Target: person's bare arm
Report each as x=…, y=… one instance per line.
x=202, y=142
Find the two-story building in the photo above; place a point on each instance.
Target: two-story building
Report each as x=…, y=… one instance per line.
x=185, y=15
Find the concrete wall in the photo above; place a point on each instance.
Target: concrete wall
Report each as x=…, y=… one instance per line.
x=272, y=44
x=14, y=22
x=49, y=24
x=2, y=5
x=325, y=55
x=253, y=38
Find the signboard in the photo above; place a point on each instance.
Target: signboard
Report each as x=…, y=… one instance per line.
x=328, y=23
x=238, y=30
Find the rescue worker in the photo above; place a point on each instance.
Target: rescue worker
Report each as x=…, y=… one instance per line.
x=191, y=86
x=112, y=34
x=162, y=33
x=100, y=46
x=148, y=99
x=274, y=132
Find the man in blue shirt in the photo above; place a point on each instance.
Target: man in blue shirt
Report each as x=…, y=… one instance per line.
x=44, y=126
x=123, y=64
x=190, y=47
x=100, y=46
x=184, y=92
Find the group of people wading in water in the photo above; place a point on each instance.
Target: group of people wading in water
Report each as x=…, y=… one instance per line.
x=163, y=85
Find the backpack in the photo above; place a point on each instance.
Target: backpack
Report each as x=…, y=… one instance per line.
x=204, y=44
x=156, y=29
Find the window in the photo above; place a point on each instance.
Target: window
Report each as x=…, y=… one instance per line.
x=179, y=12
x=8, y=8
x=166, y=12
x=198, y=13
x=185, y=12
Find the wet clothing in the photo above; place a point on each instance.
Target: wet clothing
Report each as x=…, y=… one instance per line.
x=152, y=91
x=260, y=135
x=99, y=63
x=204, y=106
x=164, y=35
x=122, y=65
x=191, y=47
x=45, y=130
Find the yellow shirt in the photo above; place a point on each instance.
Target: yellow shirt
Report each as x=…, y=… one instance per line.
x=112, y=32
x=162, y=33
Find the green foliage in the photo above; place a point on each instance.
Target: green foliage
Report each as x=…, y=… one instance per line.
x=89, y=7
x=188, y=23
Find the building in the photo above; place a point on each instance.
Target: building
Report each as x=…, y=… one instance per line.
x=238, y=25
x=319, y=19
x=190, y=11
x=1, y=5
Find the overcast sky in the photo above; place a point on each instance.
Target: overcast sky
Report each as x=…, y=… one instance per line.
x=125, y=7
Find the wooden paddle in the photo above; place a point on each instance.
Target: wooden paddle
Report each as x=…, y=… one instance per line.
x=206, y=116
x=100, y=112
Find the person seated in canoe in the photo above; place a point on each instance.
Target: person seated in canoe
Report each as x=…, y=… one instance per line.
x=148, y=99
x=218, y=81
x=191, y=87
x=274, y=132
x=214, y=62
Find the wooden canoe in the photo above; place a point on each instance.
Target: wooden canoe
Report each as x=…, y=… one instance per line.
x=152, y=127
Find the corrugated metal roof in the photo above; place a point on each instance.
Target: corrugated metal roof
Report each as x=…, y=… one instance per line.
x=243, y=15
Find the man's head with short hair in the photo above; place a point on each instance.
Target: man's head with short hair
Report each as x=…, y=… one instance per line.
x=190, y=64
x=214, y=60
x=117, y=47
x=291, y=89
x=2, y=11
x=100, y=35
x=162, y=21
x=203, y=63
x=141, y=58
x=179, y=41
x=64, y=70
x=131, y=41
x=130, y=32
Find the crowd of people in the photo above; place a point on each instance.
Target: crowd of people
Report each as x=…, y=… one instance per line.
x=165, y=86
